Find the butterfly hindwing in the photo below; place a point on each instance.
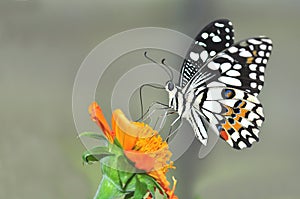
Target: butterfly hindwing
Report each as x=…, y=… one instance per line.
x=236, y=114
x=212, y=39
x=196, y=120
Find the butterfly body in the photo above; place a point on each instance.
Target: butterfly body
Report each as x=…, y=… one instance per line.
x=219, y=84
x=179, y=101
x=184, y=103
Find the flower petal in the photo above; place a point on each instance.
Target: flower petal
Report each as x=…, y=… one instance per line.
x=142, y=160
x=126, y=132
x=98, y=117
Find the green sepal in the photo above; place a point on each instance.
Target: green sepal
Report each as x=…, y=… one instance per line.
x=152, y=184
x=107, y=189
x=149, y=182
x=109, y=169
x=140, y=189
x=127, y=174
x=117, y=143
x=94, y=135
x=129, y=195
x=115, y=171
x=96, y=154
x=113, y=148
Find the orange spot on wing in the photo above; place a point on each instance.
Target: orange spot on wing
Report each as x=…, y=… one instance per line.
x=226, y=125
x=254, y=53
x=250, y=60
x=224, y=135
x=229, y=110
x=243, y=112
x=237, y=126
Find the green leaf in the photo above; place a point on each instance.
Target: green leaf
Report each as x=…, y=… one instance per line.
x=126, y=174
x=108, y=189
x=116, y=149
x=129, y=195
x=150, y=184
x=109, y=168
x=95, y=154
x=141, y=189
x=117, y=143
x=151, y=181
x=128, y=185
x=94, y=135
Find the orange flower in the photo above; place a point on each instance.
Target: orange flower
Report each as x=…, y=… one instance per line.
x=141, y=144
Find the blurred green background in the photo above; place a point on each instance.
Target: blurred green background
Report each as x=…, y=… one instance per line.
x=42, y=44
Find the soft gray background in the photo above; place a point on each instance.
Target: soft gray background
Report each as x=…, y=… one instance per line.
x=42, y=44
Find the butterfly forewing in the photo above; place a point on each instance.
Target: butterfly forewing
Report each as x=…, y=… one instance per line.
x=214, y=38
x=243, y=65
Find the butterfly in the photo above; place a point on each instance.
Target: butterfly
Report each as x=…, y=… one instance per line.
x=219, y=84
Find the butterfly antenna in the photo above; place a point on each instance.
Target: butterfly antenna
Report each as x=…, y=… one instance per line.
x=170, y=69
x=160, y=65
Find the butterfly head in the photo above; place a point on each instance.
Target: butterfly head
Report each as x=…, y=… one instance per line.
x=172, y=90
x=170, y=86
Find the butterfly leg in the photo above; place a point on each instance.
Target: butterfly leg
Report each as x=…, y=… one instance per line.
x=172, y=125
x=162, y=119
x=150, y=112
x=174, y=122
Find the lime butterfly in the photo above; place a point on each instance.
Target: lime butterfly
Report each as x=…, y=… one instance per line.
x=219, y=84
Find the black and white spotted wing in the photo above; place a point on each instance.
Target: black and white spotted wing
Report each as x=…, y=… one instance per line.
x=225, y=91
x=243, y=65
x=237, y=115
x=212, y=39
x=240, y=66
x=219, y=85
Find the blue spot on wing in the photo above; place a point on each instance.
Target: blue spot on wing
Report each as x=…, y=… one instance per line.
x=228, y=93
